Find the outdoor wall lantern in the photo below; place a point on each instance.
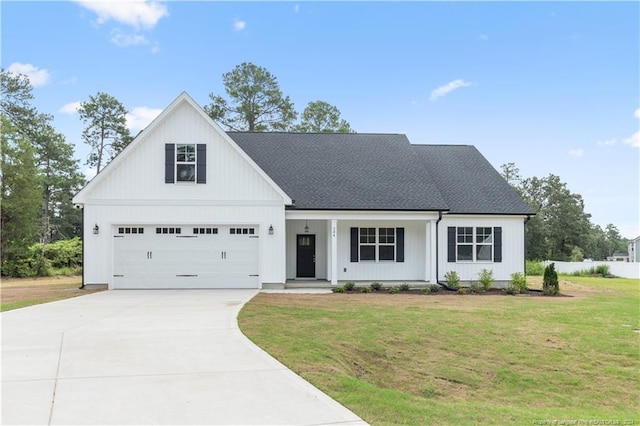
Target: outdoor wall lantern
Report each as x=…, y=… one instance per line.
x=306, y=227
x=270, y=229
x=96, y=229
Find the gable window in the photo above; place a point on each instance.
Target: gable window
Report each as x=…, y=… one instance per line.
x=474, y=244
x=185, y=163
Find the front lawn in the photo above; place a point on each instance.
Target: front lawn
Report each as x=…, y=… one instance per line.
x=20, y=292
x=463, y=359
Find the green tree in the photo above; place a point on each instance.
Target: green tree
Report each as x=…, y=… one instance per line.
x=105, y=129
x=322, y=117
x=560, y=223
x=21, y=197
x=60, y=178
x=255, y=101
x=614, y=241
x=511, y=174
x=15, y=101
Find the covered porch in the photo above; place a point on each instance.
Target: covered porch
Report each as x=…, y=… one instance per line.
x=330, y=247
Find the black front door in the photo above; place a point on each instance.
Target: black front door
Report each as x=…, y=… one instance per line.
x=306, y=256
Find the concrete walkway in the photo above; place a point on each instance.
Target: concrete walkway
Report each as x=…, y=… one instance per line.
x=149, y=357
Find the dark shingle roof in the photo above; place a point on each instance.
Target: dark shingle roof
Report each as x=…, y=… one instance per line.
x=468, y=182
x=353, y=171
x=344, y=171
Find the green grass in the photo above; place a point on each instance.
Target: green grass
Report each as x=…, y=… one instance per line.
x=449, y=359
x=21, y=304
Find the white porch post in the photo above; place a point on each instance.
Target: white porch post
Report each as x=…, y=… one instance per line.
x=433, y=278
x=334, y=251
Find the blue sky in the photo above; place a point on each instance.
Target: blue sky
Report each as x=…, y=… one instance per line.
x=553, y=87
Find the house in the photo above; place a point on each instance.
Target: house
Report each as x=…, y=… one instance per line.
x=618, y=256
x=187, y=205
x=633, y=247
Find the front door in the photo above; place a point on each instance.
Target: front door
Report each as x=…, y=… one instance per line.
x=306, y=256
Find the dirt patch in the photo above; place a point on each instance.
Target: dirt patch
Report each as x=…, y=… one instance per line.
x=28, y=291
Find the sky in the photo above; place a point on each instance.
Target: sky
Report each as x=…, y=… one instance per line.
x=550, y=86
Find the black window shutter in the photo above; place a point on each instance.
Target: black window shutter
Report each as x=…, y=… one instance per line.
x=169, y=162
x=399, y=244
x=451, y=244
x=497, y=244
x=202, y=163
x=354, y=244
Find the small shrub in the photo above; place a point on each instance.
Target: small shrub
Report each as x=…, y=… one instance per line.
x=404, y=287
x=476, y=287
x=463, y=290
x=376, y=286
x=603, y=270
x=518, y=283
x=394, y=289
x=338, y=289
x=533, y=267
x=424, y=290
x=511, y=289
x=452, y=279
x=550, y=285
x=365, y=290
x=349, y=285
x=434, y=288
x=485, y=276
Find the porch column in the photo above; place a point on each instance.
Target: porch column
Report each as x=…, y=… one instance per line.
x=334, y=251
x=433, y=261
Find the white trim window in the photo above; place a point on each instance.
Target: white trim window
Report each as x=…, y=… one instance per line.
x=475, y=244
x=367, y=243
x=387, y=244
x=186, y=162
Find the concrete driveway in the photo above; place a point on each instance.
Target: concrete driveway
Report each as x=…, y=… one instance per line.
x=149, y=357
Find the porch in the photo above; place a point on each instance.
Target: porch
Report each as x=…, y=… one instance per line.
x=328, y=248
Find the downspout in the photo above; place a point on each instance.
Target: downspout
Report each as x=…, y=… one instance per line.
x=83, y=245
x=524, y=267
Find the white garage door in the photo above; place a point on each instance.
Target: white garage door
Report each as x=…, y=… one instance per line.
x=185, y=257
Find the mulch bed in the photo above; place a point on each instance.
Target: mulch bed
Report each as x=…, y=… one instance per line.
x=445, y=292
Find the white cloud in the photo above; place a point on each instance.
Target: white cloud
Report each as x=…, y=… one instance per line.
x=121, y=39
x=135, y=13
x=449, y=87
x=70, y=108
x=239, y=25
x=296, y=8
x=576, y=153
x=608, y=142
x=633, y=140
x=637, y=113
x=140, y=117
x=37, y=77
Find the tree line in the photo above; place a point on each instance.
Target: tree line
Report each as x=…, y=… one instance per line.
x=561, y=229
x=40, y=174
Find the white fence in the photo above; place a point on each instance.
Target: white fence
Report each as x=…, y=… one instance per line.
x=619, y=269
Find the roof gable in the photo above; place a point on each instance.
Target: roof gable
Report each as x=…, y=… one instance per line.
x=186, y=108
x=344, y=171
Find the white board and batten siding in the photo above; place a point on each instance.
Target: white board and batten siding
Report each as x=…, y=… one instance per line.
x=317, y=228
x=132, y=192
x=415, y=251
x=512, y=247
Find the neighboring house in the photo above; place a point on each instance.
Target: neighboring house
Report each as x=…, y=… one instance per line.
x=633, y=247
x=187, y=205
x=618, y=257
